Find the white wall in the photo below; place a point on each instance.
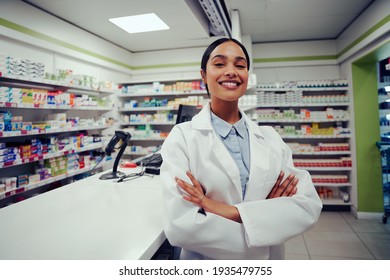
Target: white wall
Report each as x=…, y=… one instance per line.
x=294, y=49
x=277, y=62
x=297, y=73
x=167, y=64
x=61, y=38
x=376, y=12
x=186, y=62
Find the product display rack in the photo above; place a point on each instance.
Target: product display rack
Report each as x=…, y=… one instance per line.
x=384, y=110
x=50, y=107
x=152, y=109
x=384, y=126
x=52, y=155
x=68, y=174
x=41, y=183
x=149, y=125
x=313, y=120
x=21, y=166
x=385, y=161
x=8, y=134
x=39, y=83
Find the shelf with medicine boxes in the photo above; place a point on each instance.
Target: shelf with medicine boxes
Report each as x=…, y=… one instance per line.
x=313, y=119
x=50, y=167
x=149, y=110
x=44, y=84
x=50, y=129
x=23, y=72
x=29, y=186
x=33, y=162
x=384, y=110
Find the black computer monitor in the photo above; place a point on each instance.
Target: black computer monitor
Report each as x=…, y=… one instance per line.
x=186, y=112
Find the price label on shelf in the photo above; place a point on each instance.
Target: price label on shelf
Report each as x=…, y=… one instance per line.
x=19, y=190
x=8, y=163
x=11, y=104
x=10, y=193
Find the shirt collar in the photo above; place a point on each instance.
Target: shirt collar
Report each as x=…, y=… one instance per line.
x=223, y=128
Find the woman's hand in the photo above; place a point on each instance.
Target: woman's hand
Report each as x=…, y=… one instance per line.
x=286, y=188
x=195, y=192
x=196, y=195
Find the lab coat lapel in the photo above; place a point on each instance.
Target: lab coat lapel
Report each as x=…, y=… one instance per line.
x=260, y=157
x=223, y=157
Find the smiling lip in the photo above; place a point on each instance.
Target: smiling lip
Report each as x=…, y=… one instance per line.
x=230, y=84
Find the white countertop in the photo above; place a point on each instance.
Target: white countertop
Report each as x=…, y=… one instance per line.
x=88, y=219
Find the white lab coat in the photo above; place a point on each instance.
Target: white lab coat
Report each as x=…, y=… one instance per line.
x=266, y=223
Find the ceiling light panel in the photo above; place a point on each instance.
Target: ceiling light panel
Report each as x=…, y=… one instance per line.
x=140, y=23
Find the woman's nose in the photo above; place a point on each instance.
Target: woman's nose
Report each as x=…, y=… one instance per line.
x=230, y=73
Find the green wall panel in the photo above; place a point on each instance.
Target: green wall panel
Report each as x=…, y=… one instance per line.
x=368, y=161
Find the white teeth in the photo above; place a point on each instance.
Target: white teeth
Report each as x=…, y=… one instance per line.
x=229, y=84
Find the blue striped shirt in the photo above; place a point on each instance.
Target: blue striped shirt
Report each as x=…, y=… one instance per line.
x=236, y=140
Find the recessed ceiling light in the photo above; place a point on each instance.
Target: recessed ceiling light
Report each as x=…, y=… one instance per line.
x=140, y=23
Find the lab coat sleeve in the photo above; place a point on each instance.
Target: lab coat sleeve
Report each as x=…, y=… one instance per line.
x=273, y=221
x=184, y=224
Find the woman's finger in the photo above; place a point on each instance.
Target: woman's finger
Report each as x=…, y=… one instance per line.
x=276, y=186
x=188, y=188
x=283, y=186
x=289, y=191
x=196, y=183
x=193, y=195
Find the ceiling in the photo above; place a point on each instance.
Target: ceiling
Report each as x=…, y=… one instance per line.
x=263, y=20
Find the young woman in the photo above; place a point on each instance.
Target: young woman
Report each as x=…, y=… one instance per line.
x=230, y=188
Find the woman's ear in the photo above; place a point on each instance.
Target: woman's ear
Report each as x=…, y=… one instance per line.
x=204, y=79
x=203, y=74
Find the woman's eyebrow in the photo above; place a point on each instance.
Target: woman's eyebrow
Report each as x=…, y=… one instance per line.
x=219, y=56
x=225, y=57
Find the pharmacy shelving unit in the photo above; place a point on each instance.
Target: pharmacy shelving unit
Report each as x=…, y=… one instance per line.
x=384, y=98
x=32, y=112
x=149, y=111
x=314, y=122
x=384, y=110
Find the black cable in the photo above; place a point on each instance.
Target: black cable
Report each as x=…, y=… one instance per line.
x=103, y=156
x=133, y=176
x=144, y=163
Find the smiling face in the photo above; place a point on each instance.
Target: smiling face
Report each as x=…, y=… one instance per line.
x=226, y=73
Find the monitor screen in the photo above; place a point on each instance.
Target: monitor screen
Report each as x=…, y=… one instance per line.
x=186, y=112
